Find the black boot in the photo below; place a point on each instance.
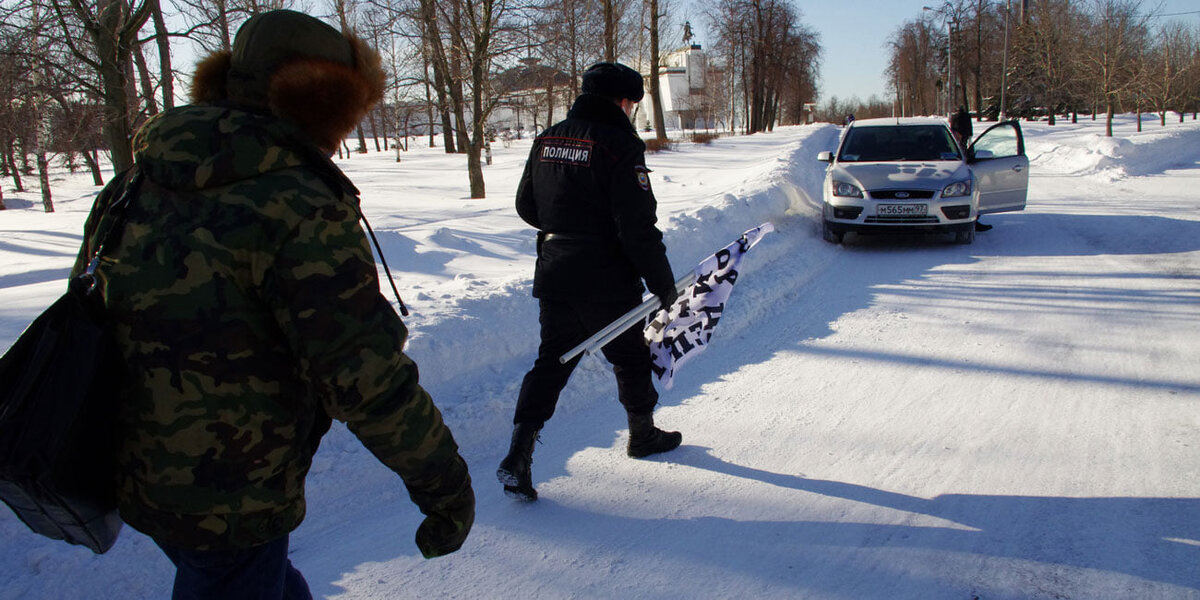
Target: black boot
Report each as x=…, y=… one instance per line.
x=514, y=471
x=646, y=439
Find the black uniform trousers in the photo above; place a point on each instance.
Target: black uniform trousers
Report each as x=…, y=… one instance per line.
x=565, y=324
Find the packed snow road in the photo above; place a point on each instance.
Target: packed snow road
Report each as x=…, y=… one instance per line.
x=1012, y=420
x=895, y=418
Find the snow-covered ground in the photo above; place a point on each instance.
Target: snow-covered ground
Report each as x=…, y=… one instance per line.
x=892, y=418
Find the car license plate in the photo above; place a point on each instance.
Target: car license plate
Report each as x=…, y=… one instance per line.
x=901, y=210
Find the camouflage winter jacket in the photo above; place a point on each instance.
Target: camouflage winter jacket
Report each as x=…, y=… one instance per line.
x=248, y=310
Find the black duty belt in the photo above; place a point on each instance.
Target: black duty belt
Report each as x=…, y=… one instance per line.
x=572, y=237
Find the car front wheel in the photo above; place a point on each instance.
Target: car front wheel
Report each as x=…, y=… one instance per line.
x=832, y=236
x=965, y=236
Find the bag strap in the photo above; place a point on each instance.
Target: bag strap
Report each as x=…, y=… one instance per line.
x=382, y=259
x=114, y=220
x=337, y=181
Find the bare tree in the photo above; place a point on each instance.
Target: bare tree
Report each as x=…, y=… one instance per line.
x=466, y=39
x=798, y=73
x=347, y=21
x=732, y=35
x=660, y=126
x=448, y=88
x=1192, y=81
x=760, y=41
x=37, y=106
x=15, y=93
x=1117, y=32
x=565, y=32
x=1168, y=69
x=1047, y=68
x=112, y=26
x=210, y=23
x=913, y=68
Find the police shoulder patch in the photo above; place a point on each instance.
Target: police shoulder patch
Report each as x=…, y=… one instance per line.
x=643, y=177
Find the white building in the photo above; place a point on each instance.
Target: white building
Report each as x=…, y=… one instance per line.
x=681, y=85
x=535, y=96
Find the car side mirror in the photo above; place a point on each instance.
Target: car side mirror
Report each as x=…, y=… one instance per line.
x=825, y=156
x=982, y=154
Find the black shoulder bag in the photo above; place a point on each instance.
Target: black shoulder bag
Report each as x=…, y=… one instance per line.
x=59, y=385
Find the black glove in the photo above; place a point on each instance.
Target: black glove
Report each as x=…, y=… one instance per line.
x=667, y=297
x=449, y=514
x=445, y=531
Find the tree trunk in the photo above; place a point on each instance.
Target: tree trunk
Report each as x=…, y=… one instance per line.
x=117, y=124
x=447, y=126
x=143, y=73
x=166, y=74
x=362, y=140
x=375, y=130
x=660, y=125
x=11, y=161
x=610, y=31
x=457, y=97
x=441, y=76
x=428, y=97
x=114, y=30
x=44, y=179
x=89, y=158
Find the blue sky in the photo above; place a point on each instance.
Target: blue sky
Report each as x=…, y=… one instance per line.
x=854, y=35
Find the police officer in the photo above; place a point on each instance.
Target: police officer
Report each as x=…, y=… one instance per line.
x=586, y=189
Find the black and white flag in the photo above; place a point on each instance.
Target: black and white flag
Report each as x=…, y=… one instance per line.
x=678, y=335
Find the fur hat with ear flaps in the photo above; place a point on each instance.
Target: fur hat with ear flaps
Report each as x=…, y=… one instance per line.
x=299, y=69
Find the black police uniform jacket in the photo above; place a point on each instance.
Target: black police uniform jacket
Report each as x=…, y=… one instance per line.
x=587, y=189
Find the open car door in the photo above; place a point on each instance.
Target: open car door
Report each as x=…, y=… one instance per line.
x=997, y=157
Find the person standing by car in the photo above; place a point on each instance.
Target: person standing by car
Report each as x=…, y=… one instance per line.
x=246, y=305
x=960, y=124
x=963, y=130
x=586, y=189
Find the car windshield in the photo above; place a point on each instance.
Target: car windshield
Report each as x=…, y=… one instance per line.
x=898, y=143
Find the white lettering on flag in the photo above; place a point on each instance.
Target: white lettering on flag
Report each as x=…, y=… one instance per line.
x=678, y=335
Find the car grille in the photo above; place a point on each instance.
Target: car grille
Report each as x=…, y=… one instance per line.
x=906, y=220
x=901, y=194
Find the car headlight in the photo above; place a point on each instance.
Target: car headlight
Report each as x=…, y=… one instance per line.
x=848, y=190
x=958, y=188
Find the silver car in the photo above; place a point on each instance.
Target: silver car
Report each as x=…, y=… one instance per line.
x=910, y=174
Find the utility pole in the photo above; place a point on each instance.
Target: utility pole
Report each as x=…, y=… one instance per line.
x=1003, y=116
x=946, y=11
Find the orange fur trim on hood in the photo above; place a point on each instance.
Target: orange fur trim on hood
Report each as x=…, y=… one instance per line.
x=326, y=99
x=209, y=81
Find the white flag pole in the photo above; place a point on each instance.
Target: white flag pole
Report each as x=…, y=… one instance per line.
x=612, y=330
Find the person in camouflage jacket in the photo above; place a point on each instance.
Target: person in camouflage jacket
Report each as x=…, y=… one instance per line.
x=247, y=307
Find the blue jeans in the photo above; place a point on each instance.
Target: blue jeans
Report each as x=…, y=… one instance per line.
x=259, y=573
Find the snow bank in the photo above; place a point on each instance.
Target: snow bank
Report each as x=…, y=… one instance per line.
x=1077, y=149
